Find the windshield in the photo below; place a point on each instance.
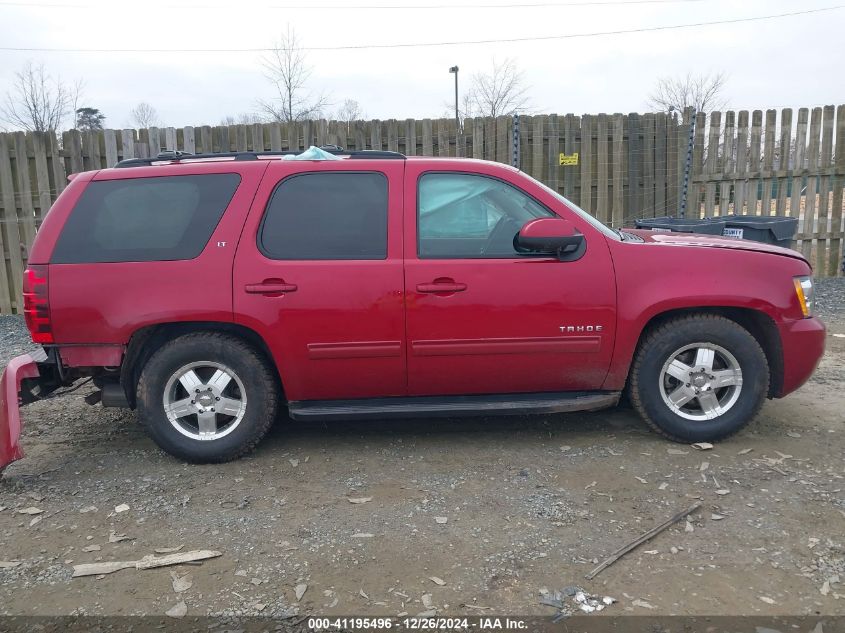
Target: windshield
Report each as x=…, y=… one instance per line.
x=579, y=211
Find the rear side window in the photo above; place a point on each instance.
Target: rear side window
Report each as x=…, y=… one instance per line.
x=328, y=215
x=145, y=219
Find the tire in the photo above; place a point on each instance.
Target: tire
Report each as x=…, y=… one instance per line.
x=726, y=401
x=235, y=386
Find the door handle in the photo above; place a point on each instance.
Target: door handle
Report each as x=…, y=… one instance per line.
x=442, y=285
x=270, y=287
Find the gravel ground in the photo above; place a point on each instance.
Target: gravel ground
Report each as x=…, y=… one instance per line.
x=830, y=302
x=463, y=515
x=14, y=338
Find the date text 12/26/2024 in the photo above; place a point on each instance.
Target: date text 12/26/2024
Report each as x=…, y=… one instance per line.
x=418, y=623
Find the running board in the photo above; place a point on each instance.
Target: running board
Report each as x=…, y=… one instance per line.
x=452, y=406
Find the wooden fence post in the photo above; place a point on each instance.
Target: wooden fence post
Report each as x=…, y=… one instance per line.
x=618, y=217
x=808, y=227
x=585, y=159
x=823, y=232
x=835, y=262
x=634, y=197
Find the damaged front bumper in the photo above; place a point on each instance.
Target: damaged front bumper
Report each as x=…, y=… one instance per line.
x=23, y=377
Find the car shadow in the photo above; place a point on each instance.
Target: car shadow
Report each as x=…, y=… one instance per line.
x=594, y=424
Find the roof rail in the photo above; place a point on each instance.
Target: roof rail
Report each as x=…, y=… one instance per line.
x=175, y=156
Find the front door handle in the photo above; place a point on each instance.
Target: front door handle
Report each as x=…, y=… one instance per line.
x=443, y=285
x=270, y=287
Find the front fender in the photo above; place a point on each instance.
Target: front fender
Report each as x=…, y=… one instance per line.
x=654, y=279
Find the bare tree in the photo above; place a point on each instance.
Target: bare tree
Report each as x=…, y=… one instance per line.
x=144, y=116
x=286, y=67
x=76, y=96
x=38, y=102
x=705, y=93
x=244, y=118
x=501, y=91
x=348, y=112
x=466, y=108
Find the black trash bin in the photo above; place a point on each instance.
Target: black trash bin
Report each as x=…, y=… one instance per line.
x=776, y=230
x=707, y=226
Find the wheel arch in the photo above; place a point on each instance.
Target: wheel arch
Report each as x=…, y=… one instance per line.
x=759, y=324
x=146, y=340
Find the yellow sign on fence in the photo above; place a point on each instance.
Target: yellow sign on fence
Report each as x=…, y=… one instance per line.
x=569, y=159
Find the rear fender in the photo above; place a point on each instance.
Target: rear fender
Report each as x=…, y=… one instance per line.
x=18, y=369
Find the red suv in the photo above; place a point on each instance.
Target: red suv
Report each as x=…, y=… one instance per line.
x=210, y=291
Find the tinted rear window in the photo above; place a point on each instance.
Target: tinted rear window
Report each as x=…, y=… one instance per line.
x=330, y=215
x=145, y=219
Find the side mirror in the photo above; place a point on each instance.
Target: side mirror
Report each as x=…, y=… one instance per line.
x=550, y=236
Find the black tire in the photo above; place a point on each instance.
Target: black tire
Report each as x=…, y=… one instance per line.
x=659, y=344
x=254, y=372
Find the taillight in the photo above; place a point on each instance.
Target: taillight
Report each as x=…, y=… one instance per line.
x=36, y=308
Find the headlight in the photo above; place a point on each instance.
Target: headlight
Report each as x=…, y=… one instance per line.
x=804, y=290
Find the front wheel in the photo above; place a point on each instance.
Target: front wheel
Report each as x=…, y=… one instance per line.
x=699, y=378
x=207, y=397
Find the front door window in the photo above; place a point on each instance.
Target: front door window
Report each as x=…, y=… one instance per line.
x=466, y=216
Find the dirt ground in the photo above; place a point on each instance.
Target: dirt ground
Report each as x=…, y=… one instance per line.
x=496, y=510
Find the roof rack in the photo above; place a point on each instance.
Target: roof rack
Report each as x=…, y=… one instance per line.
x=174, y=156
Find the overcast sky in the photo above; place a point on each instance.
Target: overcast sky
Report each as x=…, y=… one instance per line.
x=790, y=61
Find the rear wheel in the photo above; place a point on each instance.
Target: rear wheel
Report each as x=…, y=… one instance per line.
x=207, y=397
x=697, y=378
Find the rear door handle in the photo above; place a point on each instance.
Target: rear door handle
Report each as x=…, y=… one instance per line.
x=270, y=287
x=442, y=285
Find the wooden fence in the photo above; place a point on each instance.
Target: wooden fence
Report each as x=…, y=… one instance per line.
x=627, y=166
